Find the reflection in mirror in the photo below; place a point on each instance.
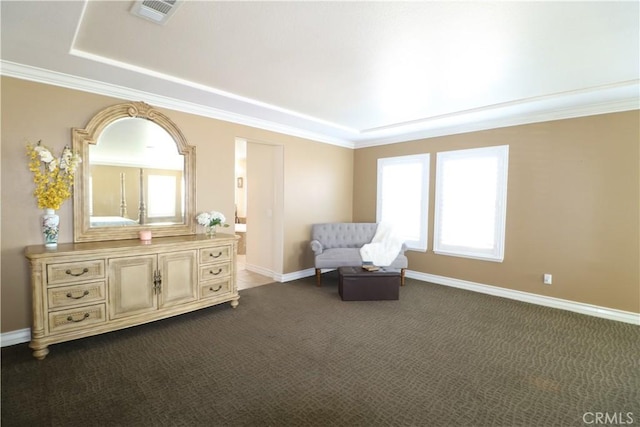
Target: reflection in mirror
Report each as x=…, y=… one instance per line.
x=137, y=161
x=138, y=174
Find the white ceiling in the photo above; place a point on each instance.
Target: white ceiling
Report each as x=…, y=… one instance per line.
x=347, y=73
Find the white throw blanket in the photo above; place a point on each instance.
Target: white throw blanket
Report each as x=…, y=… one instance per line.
x=384, y=247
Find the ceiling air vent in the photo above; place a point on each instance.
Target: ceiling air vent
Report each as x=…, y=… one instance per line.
x=158, y=11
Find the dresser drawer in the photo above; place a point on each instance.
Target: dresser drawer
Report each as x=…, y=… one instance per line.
x=76, y=318
x=64, y=296
x=214, y=271
x=213, y=289
x=215, y=254
x=79, y=271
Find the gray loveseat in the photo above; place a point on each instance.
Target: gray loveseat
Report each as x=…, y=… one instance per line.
x=338, y=245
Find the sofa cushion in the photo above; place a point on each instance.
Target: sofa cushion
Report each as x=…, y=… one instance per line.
x=343, y=234
x=339, y=257
x=350, y=257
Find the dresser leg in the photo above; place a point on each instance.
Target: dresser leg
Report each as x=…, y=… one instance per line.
x=234, y=303
x=39, y=352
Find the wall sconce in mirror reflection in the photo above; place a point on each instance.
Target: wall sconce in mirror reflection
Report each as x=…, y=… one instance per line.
x=240, y=182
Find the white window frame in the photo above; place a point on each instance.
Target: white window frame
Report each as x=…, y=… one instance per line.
x=422, y=196
x=496, y=252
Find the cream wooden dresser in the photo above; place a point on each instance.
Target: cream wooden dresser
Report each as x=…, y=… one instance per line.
x=84, y=289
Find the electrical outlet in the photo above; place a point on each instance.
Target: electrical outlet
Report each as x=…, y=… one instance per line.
x=547, y=279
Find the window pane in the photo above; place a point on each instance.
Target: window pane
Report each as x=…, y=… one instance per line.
x=468, y=204
x=471, y=202
x=403, y=188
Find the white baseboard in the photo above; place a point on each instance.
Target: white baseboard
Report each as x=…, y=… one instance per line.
x=15, y=337
x=577, y=307
x=279, y=277
x=24, y=335
x=260, y=270
x=298, y=275
x=288, y=277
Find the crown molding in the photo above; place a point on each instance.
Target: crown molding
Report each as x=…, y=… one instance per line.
x=205, y=88
x=624, y=96
x=40, y=75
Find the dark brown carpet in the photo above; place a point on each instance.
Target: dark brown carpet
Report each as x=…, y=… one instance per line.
x=296, y=355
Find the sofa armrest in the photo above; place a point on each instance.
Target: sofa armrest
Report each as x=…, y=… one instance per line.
x=316, y=247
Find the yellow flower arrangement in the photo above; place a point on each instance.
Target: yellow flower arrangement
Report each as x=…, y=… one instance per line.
x=53, y=177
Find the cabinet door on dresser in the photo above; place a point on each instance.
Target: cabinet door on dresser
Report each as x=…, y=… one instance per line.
x=144, y=283
x=132, y=285
x=178, y=278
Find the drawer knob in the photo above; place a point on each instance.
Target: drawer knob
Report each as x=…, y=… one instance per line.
x=216, y=273
x=215, y=290
x=84, y=270
x=71, y=319
x=84, y=294
x=215, y=256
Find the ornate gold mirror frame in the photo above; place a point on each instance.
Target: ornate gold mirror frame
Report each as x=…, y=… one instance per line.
x=83, y=139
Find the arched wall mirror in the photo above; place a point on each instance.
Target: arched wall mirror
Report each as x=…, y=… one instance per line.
x=137, y=173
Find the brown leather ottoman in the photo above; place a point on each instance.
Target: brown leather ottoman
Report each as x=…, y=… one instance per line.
x=358, y=284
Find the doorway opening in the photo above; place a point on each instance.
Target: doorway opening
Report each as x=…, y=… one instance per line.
x=258, y=192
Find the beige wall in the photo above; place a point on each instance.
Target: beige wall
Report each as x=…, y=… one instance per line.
x=573, y=202
x=572, y=208
x=317, y=178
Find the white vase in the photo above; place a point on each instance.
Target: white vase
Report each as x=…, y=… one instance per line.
x=50, y=228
